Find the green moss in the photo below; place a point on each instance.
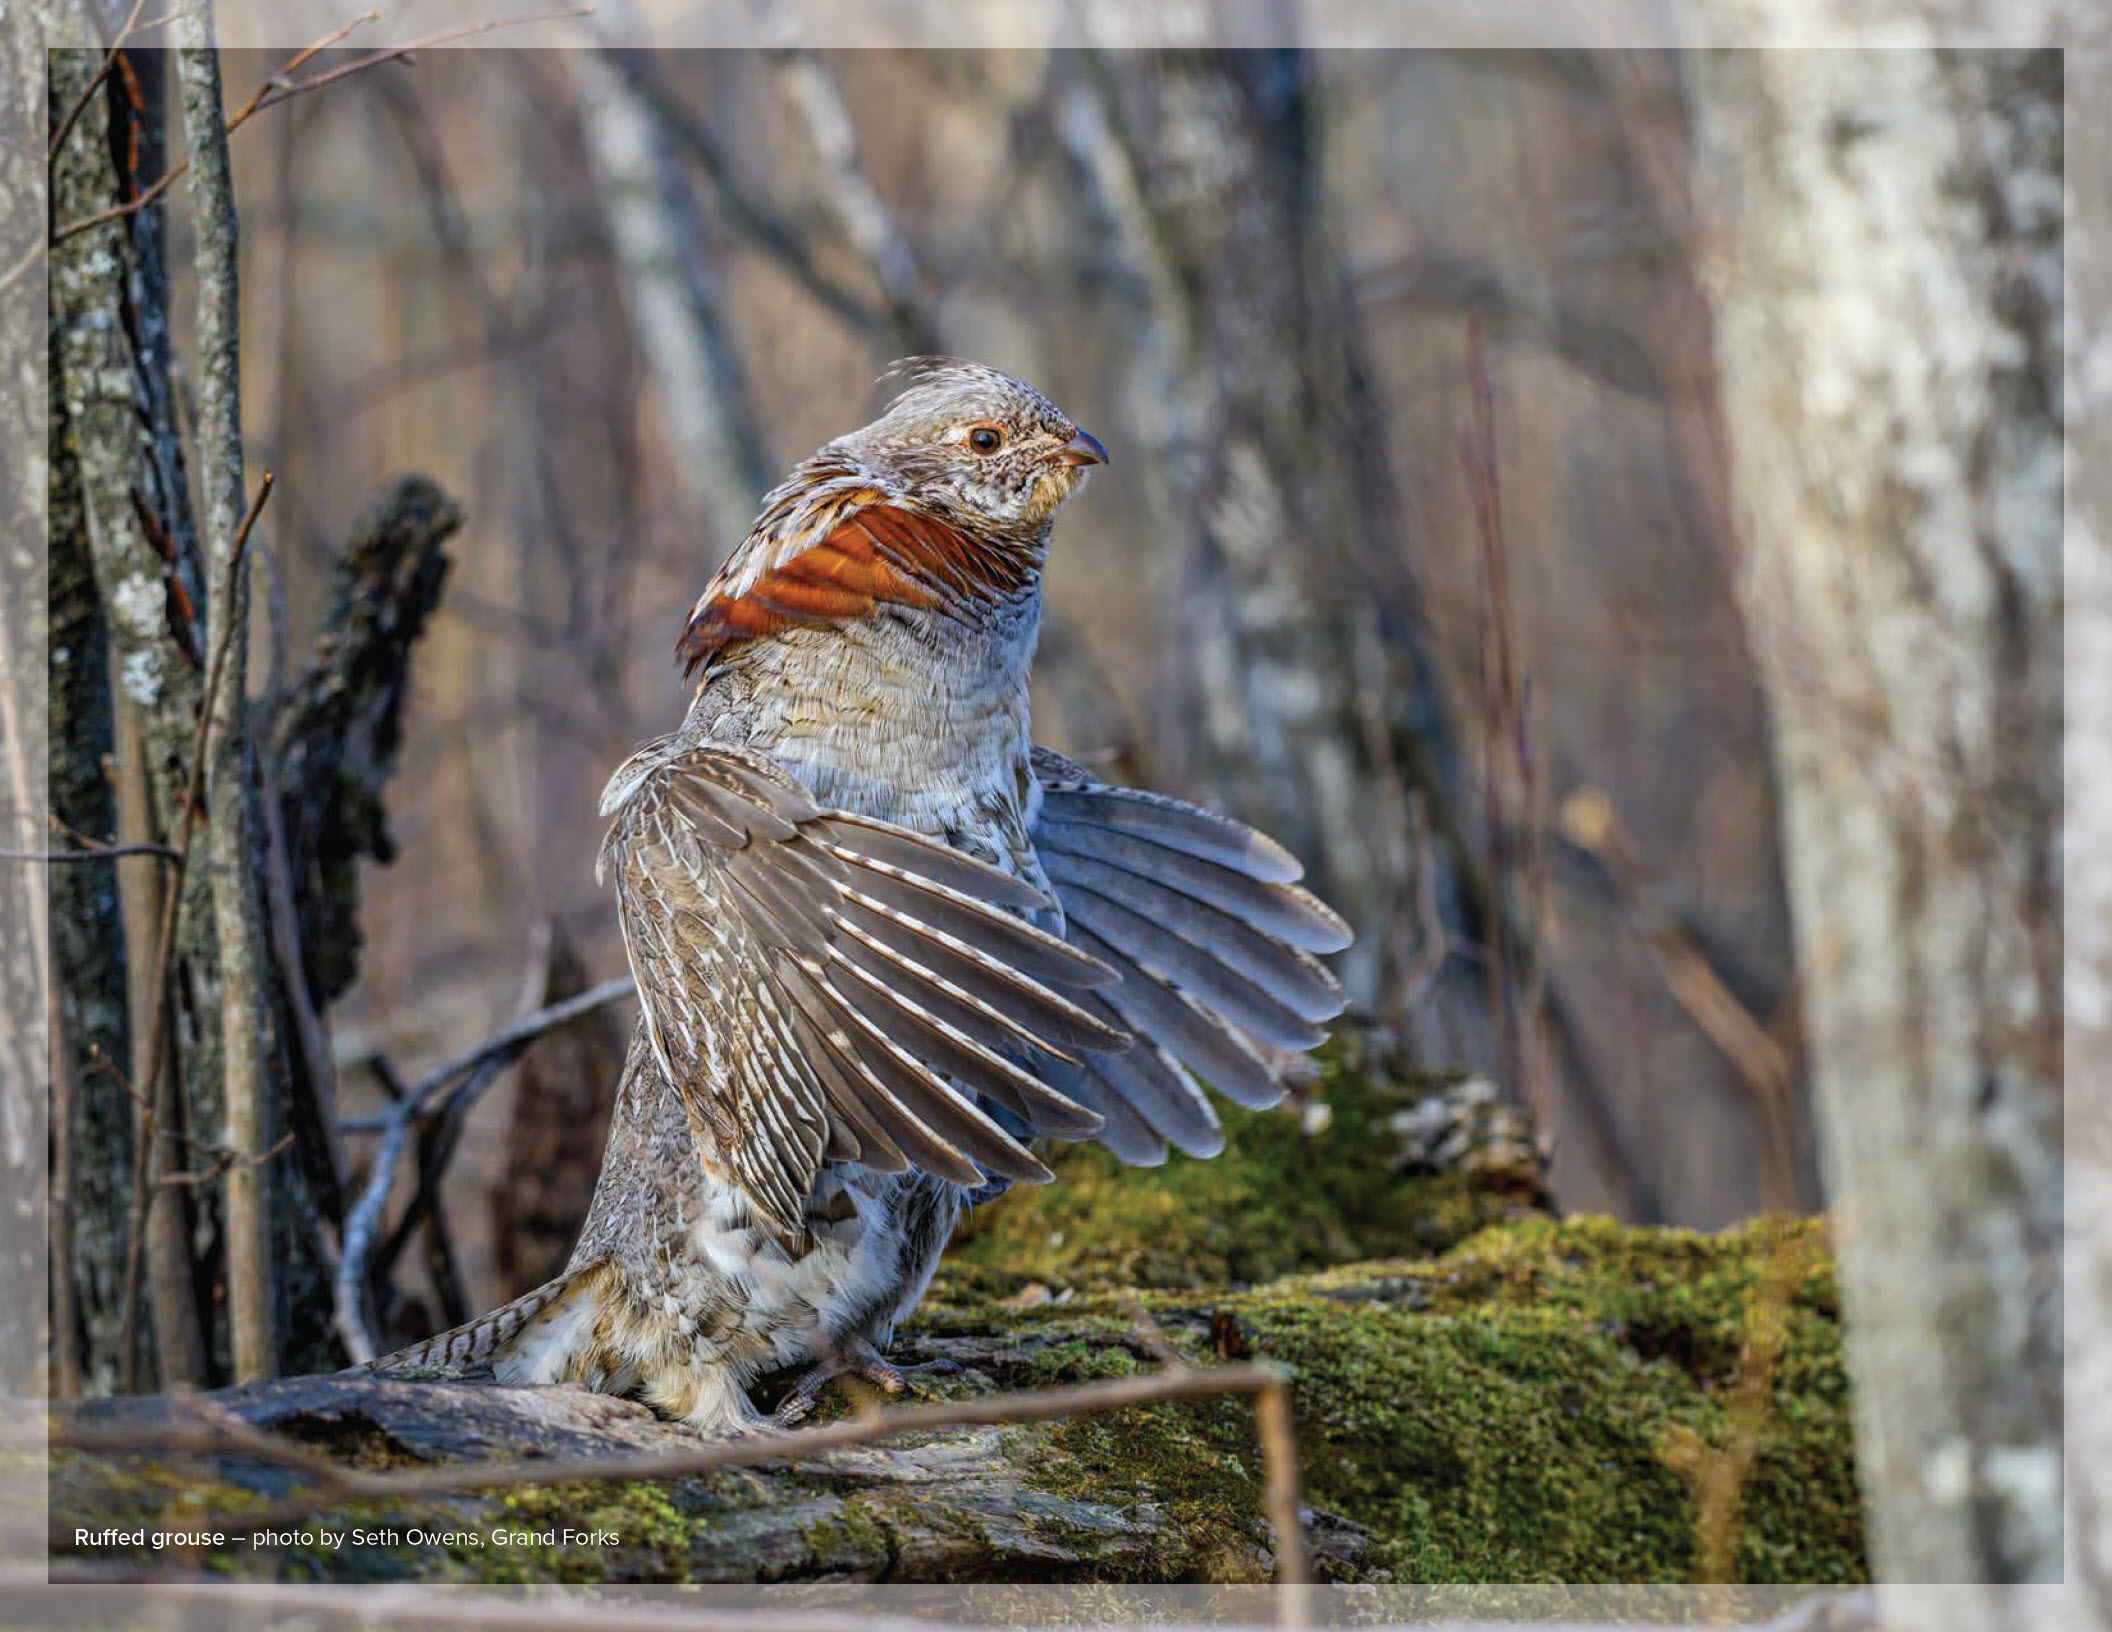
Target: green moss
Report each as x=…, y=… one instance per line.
x=1277, y=1200
x=652, y=1534
x=1524, y=1409
x=851, y=1530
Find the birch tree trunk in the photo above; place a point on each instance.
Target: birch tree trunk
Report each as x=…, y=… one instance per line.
x=2086, y=1308
x=670, y=289
x=1887, y=273
x=1239, y=360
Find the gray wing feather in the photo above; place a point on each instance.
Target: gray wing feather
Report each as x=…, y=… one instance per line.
x=1213, y=939
x=820, y=987
x=1289, y=975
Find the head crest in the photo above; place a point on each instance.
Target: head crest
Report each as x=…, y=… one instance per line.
x=928, y=382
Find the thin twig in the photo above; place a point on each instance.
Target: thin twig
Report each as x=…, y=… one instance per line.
x=101, y=852
x=1279, y=1463
x=480, y=1064
x=1266, y=1382
x=281, y=93
x=224, y=1160
x=1517, y=997
x=29, y=258
x=348, y=1286
x=506, y=1041
x=437, y=1139
x=278, y=88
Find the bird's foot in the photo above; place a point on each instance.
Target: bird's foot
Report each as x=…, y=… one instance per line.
x=855, y=1358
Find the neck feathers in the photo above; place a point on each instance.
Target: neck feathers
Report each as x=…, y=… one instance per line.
x=833, y=547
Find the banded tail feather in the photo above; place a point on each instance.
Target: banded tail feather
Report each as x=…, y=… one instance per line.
x=484, y=1342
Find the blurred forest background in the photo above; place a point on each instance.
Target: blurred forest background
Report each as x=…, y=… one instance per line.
x=1414, y=547
x=1425, y=376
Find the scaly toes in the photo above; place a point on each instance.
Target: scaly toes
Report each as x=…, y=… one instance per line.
x=879, y=1373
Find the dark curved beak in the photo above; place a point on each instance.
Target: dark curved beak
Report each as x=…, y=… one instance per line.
x=1082, y=449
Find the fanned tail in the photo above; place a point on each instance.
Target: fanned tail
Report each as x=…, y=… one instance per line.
x=482, y=1343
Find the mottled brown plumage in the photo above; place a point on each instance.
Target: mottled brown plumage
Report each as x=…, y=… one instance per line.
x=882, y=940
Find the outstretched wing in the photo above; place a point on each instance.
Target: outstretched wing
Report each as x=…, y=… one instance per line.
x=823, y=988
x=1213, y=940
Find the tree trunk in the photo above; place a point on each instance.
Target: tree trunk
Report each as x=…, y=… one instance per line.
x=1244, y=362
x=671, y=293
x=24, y=974
x=233, y=853
x=1297, y=693
x=2086, y=1309
x=121, y=457
x=92, y=1126
x=1887, y=244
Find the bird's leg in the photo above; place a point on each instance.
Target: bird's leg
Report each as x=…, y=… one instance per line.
x=853, y=1357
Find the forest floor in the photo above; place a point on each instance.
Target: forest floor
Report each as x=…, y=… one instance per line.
x=1482, y=1393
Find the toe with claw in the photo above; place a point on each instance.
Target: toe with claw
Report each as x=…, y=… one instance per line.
x=857, y=1358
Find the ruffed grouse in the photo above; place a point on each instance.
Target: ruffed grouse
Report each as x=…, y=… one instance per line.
x=881, y=939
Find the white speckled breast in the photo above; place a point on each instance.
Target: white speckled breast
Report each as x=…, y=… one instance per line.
x=908, y=718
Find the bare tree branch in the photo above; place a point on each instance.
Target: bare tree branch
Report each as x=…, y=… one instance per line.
x=866, y=220
x=782, y=240
x=270, y=94
x=101, y=852
x=479, y=1066
x=671, y=294
x=1765, y=1068
x=505, y=1042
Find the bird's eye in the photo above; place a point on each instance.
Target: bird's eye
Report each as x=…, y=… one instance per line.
x=986, y=438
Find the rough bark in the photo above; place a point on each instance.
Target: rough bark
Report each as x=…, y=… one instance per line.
x=333, y=748
x=92, y=1134
x=233, y=857
x=1887, y=239
x=110, y=362
x=337, y=737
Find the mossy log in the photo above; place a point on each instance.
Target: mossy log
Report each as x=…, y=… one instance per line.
x=1537, y=1405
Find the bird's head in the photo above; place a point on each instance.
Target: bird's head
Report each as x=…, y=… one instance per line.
x=966, y=437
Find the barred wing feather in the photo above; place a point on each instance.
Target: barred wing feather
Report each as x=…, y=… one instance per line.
x=1213, y=941
x=820, y=987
